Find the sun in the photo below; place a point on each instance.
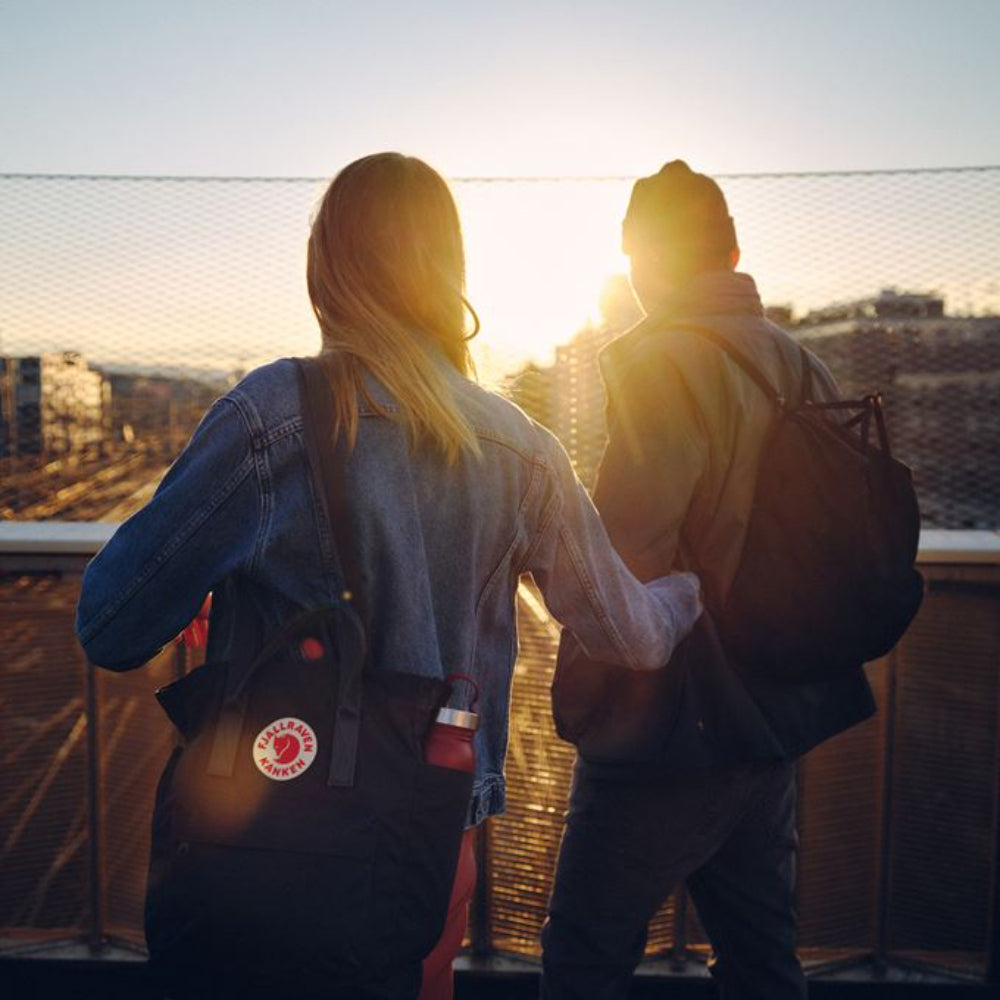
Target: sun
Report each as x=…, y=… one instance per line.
x=538, y=257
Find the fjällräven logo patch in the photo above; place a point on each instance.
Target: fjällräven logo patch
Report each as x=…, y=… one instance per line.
x=284, y=749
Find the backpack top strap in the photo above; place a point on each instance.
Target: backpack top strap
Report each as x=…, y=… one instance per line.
x=739, y=357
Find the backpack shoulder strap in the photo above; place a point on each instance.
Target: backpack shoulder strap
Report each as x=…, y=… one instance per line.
x=739, y=357
x=806, y=385
x=328, y=454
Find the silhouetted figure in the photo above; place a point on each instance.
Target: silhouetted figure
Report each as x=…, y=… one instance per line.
x=686, y=427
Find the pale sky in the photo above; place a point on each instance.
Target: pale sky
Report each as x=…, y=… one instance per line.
x=300, y=87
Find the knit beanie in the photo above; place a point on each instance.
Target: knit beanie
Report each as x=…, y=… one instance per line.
x=679, y=212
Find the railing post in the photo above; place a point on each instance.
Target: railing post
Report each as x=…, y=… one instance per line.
x=993, y=916
x=883, y=900
x=95, y=936
x=679, y=952
x=482, y=903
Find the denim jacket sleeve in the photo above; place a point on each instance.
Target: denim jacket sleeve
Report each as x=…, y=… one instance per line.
x=589, y=589
x=202, y=524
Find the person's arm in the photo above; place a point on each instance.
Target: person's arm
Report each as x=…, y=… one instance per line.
x=657, y=451
x=148, y=582
x=590, y=590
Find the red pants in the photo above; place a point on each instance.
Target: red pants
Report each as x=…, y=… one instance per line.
x=438, y=981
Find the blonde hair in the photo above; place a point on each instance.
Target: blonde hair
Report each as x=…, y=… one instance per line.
x=386, y=276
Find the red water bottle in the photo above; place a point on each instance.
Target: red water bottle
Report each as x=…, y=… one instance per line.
x=449, y=740
x=195, y=634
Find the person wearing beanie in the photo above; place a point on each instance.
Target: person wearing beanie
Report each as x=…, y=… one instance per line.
x=686, y=429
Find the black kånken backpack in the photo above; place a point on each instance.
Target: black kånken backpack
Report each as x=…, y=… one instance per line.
x=302, y=846
x=826, y=580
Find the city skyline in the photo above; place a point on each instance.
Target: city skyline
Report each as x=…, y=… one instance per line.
x=233, y=368
x=938, y=374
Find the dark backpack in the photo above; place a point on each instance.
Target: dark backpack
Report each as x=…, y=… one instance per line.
x=826, y=580
x=302, y=845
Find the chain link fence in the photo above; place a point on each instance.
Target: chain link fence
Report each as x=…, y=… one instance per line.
x=127, y=304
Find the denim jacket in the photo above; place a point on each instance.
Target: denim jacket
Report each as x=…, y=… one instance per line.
x=441, y=549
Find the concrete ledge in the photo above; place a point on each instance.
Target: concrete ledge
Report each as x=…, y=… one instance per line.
x=980, y=547
x=84, y=538
x=64, y=538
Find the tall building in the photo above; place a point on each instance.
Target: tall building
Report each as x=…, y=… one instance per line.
x=158, y=412
x=568, y=396
x=531, y=388
x=578, y=417
x=939, y=376
x=50, y=405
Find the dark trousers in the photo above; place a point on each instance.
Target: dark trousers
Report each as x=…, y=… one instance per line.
x=630, y=840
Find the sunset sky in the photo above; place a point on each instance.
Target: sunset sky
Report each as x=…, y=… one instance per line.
x=299, y=88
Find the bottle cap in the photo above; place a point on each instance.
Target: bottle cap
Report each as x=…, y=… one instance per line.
x=458, y=717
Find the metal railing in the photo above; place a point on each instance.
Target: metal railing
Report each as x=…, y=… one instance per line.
x=898, y=817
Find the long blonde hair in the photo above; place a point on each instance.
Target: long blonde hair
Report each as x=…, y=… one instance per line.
x=386, y=276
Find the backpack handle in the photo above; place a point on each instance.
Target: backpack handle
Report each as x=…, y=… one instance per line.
x=870, y=406
x=310, y=622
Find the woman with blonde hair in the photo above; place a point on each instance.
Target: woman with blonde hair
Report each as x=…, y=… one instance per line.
x=455, y=494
